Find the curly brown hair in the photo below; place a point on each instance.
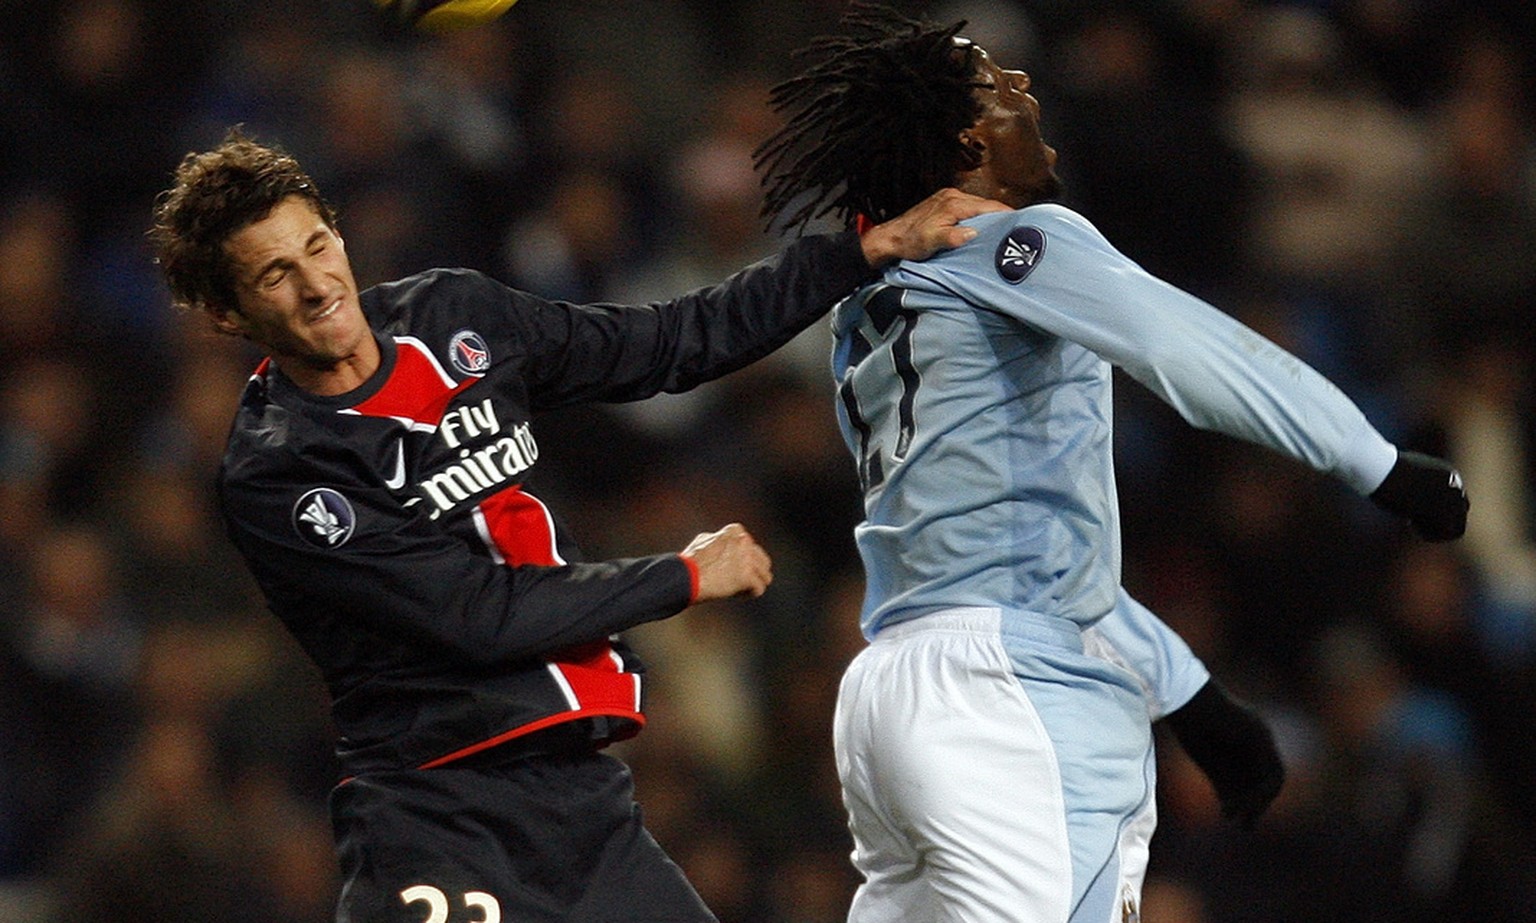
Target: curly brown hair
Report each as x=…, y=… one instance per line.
x=217, y=193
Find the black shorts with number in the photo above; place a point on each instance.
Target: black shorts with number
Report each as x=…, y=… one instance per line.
x=548, y=837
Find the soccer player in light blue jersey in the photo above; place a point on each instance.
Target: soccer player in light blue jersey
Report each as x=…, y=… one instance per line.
x=993, y=740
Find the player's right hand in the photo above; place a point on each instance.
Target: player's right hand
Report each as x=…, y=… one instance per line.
x=1428, y=492
x=926, y=228
x=730, y=562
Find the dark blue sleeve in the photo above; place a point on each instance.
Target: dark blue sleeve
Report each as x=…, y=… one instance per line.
x=606, y=352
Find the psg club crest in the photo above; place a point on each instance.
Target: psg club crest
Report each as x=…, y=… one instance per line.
x=1019, y=253
x=468, y=353
x=324, y=518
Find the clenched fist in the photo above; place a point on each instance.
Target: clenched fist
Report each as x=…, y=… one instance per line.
x=730, y=563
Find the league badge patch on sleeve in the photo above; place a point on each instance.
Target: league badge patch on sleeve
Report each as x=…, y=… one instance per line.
x=1019, y=252
x=324, y=518
x=469, y=354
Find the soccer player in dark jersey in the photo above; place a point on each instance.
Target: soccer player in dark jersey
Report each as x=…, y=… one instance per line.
x=375, y=481
x=993, y=740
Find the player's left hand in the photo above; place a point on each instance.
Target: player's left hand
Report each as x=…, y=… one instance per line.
x=926, y=228
x=1428, y=492
x=1235, y=749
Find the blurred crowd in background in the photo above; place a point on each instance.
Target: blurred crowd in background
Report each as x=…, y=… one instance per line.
x=1354, y=178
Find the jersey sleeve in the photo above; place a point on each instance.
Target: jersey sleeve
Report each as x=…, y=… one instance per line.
x=607, y=352
x=380, y=568
x=1215, y=372
x=1132, y=636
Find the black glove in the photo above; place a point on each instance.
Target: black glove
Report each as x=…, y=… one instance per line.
x=1234, y=748
x=1428, y=493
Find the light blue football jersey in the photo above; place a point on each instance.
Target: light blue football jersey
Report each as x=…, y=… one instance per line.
x=974, y=391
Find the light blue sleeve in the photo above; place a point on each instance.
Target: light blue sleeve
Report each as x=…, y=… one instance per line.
x=1050, y=268
x=1132, y=636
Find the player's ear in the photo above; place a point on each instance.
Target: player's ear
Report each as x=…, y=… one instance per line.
x=228, y=320
x=972, y=142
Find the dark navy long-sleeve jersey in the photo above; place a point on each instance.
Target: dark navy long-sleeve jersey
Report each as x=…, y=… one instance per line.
x=394, y=532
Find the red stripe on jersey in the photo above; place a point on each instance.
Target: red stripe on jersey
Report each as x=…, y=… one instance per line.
x=624, y=733
x=418, y=389
x=520, y=527
x=595, y=676
x=596, y=685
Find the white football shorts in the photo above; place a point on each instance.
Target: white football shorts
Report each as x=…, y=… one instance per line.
x=994, y=773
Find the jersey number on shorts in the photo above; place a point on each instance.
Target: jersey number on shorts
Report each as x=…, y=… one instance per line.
x=437, y=904
x=883, y=310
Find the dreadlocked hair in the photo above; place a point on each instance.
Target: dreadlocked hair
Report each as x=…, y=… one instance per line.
x=872, y=127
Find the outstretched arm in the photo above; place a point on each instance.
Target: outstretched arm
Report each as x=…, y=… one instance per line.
x=1217, y=373
x=599, y=352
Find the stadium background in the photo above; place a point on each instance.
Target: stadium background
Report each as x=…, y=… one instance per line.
x=1356, y=178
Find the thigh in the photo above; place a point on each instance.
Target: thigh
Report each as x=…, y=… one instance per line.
x=894, y=887
x=543, y=840
x=953, y=787
x=1098, y=725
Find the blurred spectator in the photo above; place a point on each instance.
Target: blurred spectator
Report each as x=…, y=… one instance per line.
x=69, y=662
x=1398, y=44
x=1462, y=273
x=100, y=106
x=468, y=91
x=703, y=667
x=1289, y=571
x=590, y=122
x=652, y=53
x=198, y=824
x=1147, y=165
x=575, y=247
x=164, y=845
x=1404, y=776
x=1335, y=162
x=1488, y=432
x=188, y=428
x=37, y=303
x=169, y=539
x=49, y=411
x=1449, y=636
x=265, y=74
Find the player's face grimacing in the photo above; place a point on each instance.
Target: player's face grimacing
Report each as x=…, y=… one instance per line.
x=296, y=296
x=1020, y=166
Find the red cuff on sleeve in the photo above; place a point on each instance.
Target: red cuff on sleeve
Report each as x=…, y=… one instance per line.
x=693, y=578
x=862, y=224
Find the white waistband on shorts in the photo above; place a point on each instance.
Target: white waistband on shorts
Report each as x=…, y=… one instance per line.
x=990, y=620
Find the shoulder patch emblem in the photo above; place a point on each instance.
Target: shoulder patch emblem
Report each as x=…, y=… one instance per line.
x=1019, y=253
x=324, y=518
x=468, y=353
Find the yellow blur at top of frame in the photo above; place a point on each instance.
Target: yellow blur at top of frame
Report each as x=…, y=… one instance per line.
x=462, y=14
x=444, y=16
